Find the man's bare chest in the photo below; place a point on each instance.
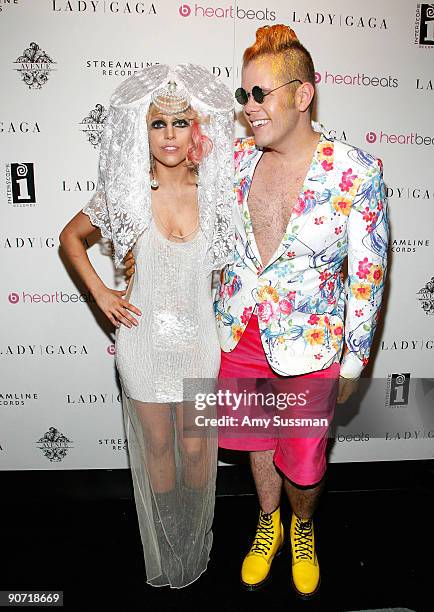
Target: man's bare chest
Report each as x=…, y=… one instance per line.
x=270, y=202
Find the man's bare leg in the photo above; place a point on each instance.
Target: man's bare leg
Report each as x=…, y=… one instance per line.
x=303, y=500
x=267, y=480
x=305, y=567
x=269, y=532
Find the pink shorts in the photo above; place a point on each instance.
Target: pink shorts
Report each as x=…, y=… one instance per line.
x=300, y=453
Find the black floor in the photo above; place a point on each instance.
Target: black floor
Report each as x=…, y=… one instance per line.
x=77, y=532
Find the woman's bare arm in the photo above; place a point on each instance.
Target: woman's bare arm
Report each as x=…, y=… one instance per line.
x=130, y=265
x=109, y=300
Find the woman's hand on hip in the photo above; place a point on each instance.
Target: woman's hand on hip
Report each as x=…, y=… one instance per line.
x=115, y=308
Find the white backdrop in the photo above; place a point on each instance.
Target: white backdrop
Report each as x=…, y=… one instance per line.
x=60, y=61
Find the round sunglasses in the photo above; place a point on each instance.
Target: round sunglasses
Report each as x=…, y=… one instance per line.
x=242, y=96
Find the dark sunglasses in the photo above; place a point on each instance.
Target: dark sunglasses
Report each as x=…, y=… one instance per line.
x=242, y=96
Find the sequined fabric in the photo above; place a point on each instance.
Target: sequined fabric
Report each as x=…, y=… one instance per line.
x=173, y=475
x=176, y=337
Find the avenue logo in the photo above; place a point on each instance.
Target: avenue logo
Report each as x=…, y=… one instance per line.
x=93, y=125
x=54, y=445
x=426, y=297
x=34, y=66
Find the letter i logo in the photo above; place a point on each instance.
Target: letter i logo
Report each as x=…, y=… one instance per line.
x=426, y=32
x=23, y=183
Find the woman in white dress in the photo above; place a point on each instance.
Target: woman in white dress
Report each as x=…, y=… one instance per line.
x=164, y=191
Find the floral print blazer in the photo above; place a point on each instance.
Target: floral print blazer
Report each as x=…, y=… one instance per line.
x=307, y=315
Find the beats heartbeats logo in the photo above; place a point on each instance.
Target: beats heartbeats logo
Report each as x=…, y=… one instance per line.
x=317, y=77
x=57, y=297
x=13, y=298
x=184, y=10
x=228, y=12
x=111, y=349
x=404, y=139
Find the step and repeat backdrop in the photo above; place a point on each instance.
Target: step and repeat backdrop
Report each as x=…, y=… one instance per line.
x=61, y=59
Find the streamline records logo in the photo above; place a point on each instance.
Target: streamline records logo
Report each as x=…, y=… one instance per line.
x=5, y=3
x=406, y=245
x=116, y=67
x=116, y=444
x=398, y=387
x=93, y=125
x=54, y=445
x=424, y=26
x=17, y=399
x=34, y=66
x=426, y=297
x=20, y=184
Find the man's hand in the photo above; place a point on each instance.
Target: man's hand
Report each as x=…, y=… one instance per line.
x=130, y=267
x=347, y=386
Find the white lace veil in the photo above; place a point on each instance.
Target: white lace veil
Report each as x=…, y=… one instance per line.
x=121, y=206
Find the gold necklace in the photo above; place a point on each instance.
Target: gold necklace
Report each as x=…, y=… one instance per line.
x=177, y=235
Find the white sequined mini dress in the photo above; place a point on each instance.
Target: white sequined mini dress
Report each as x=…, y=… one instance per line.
x=176, y=337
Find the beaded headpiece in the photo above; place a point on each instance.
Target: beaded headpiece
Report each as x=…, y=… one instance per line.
x=171, y=99
x=121, y=205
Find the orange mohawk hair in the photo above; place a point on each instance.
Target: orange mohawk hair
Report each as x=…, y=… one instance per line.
x=281, y=40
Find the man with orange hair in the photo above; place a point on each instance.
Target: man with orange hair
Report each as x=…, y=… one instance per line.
x=306, y=203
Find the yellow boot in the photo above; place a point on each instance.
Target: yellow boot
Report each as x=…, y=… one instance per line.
x=305, y=567
x=267, y=543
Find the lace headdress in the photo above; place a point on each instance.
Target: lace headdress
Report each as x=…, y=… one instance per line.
x=121, y=205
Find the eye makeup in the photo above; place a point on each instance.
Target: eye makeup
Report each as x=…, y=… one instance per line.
x=158, y=124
